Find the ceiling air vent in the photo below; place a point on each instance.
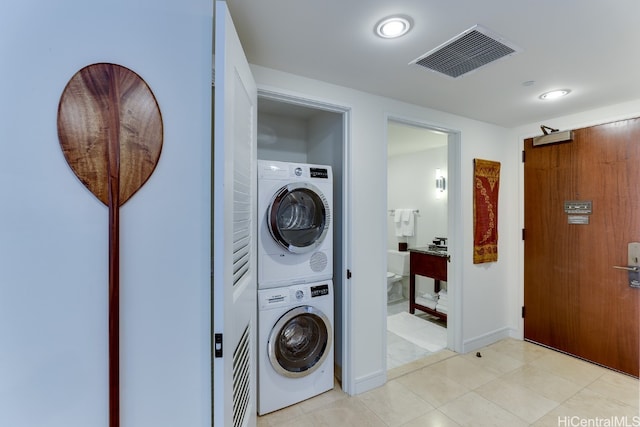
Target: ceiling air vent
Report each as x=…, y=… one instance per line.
x=466, y=52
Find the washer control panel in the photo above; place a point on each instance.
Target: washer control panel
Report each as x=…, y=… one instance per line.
x=292, y=295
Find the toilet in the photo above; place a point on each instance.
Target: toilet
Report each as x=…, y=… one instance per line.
x=397, y=269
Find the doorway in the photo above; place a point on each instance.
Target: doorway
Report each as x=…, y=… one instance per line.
x=417, y=218
x=581, y=212
x=296, y=130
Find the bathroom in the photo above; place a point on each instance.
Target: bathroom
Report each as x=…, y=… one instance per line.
x=417, y=214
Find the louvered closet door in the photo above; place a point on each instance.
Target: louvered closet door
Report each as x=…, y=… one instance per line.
x=234, y=241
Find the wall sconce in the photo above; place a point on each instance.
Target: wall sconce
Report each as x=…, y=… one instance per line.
x=440, y=181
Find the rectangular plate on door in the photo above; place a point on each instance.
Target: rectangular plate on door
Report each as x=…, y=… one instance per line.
x=584, y=207
x=578, y=219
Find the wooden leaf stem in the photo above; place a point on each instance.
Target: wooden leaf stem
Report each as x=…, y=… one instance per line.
x=110, y=131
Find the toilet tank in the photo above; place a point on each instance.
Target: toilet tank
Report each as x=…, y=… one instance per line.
x=398, y=262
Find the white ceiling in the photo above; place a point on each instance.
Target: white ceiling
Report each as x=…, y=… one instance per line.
x=588, y=46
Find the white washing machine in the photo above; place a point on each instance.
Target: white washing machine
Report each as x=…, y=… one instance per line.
x=295, y=229
x=295, y=344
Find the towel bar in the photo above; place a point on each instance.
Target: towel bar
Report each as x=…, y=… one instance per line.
x=393, y=211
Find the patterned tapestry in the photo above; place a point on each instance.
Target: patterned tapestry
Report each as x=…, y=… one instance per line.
x=486, y=177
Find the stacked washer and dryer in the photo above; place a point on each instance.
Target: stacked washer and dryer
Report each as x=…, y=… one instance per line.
x=295, y=288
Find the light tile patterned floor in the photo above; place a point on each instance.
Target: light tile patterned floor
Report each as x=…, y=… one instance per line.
x=514, y=383
x=401, y=351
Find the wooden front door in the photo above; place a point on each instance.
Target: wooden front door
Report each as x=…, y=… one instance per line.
x=575, y=301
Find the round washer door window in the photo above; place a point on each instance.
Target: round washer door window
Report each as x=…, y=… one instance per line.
x=299, y=342
x=299, y=217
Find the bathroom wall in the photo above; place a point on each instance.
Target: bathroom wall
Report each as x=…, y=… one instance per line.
x=411, y=184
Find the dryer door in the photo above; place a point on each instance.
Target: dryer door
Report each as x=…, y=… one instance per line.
x=300, y=341
x=299, y=217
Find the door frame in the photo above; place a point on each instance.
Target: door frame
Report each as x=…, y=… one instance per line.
x=346, y=309
x=454, y=227
x=560, y=123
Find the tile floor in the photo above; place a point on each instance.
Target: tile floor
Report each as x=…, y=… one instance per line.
x=401, y=351
x=514, y=383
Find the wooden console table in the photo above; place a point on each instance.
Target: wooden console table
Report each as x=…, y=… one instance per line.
x=428, y=263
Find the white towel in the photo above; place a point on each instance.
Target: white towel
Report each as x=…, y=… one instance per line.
x=427, y=303
x=442, y=308
x=397, y=222
x=406, y=222
x=430, y=296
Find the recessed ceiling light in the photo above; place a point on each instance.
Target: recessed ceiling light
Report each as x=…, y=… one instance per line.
x=555, y=94
x=392, y=27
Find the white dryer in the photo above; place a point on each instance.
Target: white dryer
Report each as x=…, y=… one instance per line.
x=295, y=344
x=295, y=229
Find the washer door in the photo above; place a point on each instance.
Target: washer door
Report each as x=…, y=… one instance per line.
x=299, y=217
x=300, y=341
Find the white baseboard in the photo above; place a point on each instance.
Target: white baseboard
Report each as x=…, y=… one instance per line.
x=517, y=334
x=486, y=339
x=371, y=381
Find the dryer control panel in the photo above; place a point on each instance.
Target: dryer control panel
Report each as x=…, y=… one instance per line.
x=319, y=290
x=319, y=173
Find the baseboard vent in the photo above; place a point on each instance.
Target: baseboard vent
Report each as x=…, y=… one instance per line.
x=468, y=51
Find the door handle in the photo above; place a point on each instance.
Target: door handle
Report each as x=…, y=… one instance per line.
x=633, y=265
x=628, y=268
x=634, y=274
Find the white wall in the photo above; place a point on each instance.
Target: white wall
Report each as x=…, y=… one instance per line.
x=326, y=144
x=411, y=184
x=282, y=138
x=593, y=117
x=53, y=232
x=484, y=287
